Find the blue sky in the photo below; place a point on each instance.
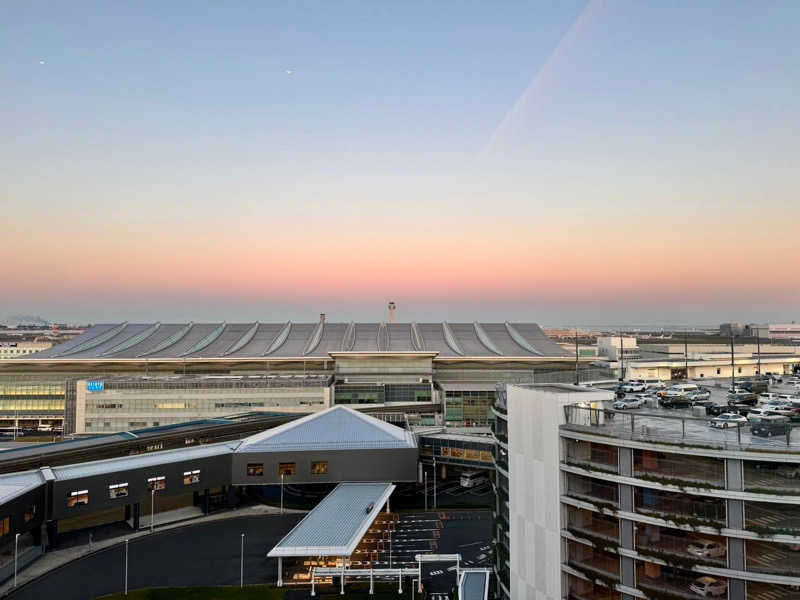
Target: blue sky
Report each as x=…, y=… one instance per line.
x=650, y=143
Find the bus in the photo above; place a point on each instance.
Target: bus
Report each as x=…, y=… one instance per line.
x=11, y=432
x=473, y=478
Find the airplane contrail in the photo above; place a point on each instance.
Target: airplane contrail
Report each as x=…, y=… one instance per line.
x=548, y=69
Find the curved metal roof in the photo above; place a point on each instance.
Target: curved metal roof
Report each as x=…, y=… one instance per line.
x=301, y=341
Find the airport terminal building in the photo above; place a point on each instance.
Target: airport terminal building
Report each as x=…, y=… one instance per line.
x=122, y=376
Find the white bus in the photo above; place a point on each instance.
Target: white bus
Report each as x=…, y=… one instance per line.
x=11, y=432
x=473, y=478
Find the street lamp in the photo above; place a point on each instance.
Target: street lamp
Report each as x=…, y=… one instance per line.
x=16, y=546
x=434, y=482
x=281, y=493
x=126, y=566
x=241, y=565
x=152, y=509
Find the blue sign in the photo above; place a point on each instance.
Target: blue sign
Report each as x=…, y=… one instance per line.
x=96, y=386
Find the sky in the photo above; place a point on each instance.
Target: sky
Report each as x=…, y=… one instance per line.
x=572, y=162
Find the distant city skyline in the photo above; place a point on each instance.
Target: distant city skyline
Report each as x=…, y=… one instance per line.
x=571, y=162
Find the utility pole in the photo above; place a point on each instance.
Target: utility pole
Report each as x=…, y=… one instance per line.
x=686, y=355
x=434, y=481
x=425, y=477
x=241, y=565
x=577, y=379
x=733, y=372
x=621, y=357
x=281, y=493
x=758, y=348
x=126, y=567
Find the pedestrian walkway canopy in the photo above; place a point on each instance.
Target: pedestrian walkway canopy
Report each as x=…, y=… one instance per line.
x=337, y=524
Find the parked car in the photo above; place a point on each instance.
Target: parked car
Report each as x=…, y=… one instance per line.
x=717, y=409
x=676, y=402
x=624, y=403
x=754, y=414
x=709, y=586
x=633, y=386
x=779, y=408
x=770, y=425
x=705, y=548
x=681, y=390
x=742, y=397
x=789, y=471
x=701, y=394
x=728, y=419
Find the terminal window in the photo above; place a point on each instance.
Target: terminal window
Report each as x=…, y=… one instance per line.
x=255, y=469
x=319, y=468
x=118, y=490
x=30, y=513
x=78, y=498
x=191, y=477
x=286, y=469
x=5, y=526
x=157, y=483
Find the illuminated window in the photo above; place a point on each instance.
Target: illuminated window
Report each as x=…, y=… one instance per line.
x=286, y=469
x=5, y=526
x=30, y=513
x=118, y=490
x=319, y=468
x=78, y=498
x=157, y=483
x=255, y=469
x=191, y=477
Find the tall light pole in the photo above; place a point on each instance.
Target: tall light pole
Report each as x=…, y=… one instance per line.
x=686, y=355
x=434, y=482
x=425, y=477
x=758, y=348
x=281, y=493
x=126, y=566
x=241, y=565
x=152, y=508
x=577, y=379
x=16, y=547
x=621, y=357
x=733, y=373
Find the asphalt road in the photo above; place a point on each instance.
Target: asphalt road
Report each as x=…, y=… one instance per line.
x=202, y=554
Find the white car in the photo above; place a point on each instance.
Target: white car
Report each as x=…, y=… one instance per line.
x=633, y=386
x=681, y=390
x=624, y=403
x=705, y=548
x=783, y=410
x=726, y=420
x=709, y=586
x=756, y=413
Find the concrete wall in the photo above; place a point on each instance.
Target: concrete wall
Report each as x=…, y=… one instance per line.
x=343, y=465
x=534, y=488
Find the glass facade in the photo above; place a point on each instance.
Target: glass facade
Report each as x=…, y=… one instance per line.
x=468, y=407
x=375, y=393
x=123, y=404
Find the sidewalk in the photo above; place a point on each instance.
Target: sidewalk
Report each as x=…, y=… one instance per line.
x=56, y=558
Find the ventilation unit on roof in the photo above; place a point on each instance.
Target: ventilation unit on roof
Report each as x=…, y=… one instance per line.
x=369, y=508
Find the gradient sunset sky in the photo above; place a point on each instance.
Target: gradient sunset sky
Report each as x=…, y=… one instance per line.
x=562, y=162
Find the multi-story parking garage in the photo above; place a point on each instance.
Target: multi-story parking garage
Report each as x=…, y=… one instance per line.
x=599, y=504
x=116, y=377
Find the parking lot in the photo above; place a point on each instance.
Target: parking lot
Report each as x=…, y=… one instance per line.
x=680, y=425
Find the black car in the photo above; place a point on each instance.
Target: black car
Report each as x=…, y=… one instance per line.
x=677, y=402
x=717, y=409
x=769, y=426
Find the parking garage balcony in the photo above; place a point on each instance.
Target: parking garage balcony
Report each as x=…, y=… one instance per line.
x=680, y=508
x=770, y=518
x=772, y=477
x=592, y=525
x=592, y=455
x=679, y=469
x=669, y=544
x=773, y=557
x=592, y=489
x=593, y=562
x=581, y=589
x=662, y=581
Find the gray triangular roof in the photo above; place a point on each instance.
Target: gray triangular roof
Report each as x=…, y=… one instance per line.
x=336, y=428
